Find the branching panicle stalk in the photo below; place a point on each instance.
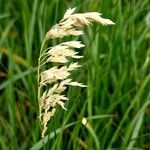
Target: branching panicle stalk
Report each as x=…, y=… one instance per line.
x=58, y=77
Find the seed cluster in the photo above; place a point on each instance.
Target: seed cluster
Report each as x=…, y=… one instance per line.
x=58, y=77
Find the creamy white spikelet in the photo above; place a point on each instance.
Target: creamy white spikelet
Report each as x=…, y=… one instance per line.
x=58, y=77
x=70, y=23
x=59, y=53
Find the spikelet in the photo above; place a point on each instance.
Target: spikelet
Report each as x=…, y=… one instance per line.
x=58, y=77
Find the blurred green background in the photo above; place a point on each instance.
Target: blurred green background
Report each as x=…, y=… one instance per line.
x=116, y=68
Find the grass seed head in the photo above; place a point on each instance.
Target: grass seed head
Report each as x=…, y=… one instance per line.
x=59, y=77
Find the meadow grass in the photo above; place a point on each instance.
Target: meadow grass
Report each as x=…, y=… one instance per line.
x=115, y=68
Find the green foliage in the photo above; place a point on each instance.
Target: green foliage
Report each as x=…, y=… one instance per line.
x=115, y=68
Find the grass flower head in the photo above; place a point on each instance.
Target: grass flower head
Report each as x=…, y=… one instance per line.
x=58, y=76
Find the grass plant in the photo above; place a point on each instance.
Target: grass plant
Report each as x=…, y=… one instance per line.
x=115, y=69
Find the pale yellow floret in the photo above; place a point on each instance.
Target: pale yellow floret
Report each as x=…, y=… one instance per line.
x=59, y=53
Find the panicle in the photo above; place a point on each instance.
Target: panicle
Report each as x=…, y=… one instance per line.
x=58, y=77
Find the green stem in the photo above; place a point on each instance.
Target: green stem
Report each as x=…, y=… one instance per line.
x=38, y=74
